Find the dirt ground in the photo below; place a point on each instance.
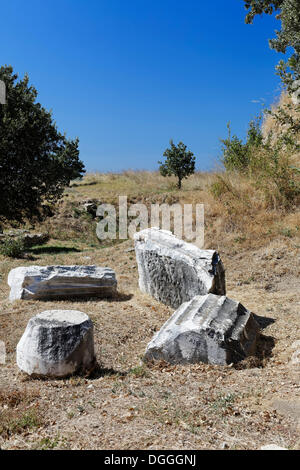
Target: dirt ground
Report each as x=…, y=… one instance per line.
x=125, y=404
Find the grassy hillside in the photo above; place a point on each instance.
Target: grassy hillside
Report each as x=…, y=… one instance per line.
x=236, y=212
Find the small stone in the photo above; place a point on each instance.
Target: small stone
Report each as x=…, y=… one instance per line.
x=224, y=446
x=90, y=208
x=56, y=343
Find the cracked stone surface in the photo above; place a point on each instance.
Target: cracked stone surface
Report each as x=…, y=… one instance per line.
x=46, y=282
x=174, y=271
x=56, y=343
x=212, y=329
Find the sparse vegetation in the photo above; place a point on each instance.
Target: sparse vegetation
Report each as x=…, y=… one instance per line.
x=266, y=165
x=47, y=443
x=12, y=247
x=17, y=415
x=237, y=155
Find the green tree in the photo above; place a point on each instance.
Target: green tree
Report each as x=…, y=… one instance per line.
x=288, y=12
x=179, y=162
x=36, y=161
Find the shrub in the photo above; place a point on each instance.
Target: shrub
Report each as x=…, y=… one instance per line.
x=266, y=163
x=12, y=247
x=236, y=154
x=271, y=171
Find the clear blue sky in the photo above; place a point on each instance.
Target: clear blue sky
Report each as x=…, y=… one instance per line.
x=126, y=76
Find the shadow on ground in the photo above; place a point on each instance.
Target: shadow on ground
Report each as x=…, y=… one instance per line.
x=52, y=250
x=120, y=297
x=81, y=298
x=263, y=322
x=263, y=353
x=100, y=371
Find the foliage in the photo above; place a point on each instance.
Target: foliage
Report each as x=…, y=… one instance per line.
x=258, y=7
x=179, y=162
x=272, y=172
x=267, y=166
x=236, y=154
x=36, y=161
x=12, y=247
x=287, y=37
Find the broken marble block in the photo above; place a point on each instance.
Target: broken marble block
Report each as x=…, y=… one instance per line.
x=46, y=282
x=211, y=328
x=174, y=271
x=57, y=343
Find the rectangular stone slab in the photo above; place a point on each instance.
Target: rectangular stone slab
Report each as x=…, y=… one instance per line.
x=46, y=282
x=211, y=329
x=174, y=271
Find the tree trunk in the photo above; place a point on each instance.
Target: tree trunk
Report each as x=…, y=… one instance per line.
x=179, y=183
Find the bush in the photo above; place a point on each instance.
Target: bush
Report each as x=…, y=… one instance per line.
x=266, y=164
x=272, y=172
x=236, y=154
x=12, y=247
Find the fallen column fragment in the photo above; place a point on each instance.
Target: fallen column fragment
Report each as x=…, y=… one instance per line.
x=173, y=271
x=57, y=343
x=212, y=329
x=46, y=282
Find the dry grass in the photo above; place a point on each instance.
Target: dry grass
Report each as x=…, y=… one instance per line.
x=238, y=217
x=126, y=404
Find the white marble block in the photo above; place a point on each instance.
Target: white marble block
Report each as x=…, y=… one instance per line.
x=46, y=282
x=173, y=271
x=211, y=329
x=56, y=343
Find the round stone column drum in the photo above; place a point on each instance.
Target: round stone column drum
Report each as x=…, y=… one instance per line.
x=57, y=343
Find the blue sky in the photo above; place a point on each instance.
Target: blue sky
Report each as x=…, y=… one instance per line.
x=126, y=76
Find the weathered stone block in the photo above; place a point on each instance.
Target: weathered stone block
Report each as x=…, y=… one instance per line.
x=56, y=343
x=46, y=282
x=173, y=271
x=32, y=239
x=29, y=239
x=212, y=329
